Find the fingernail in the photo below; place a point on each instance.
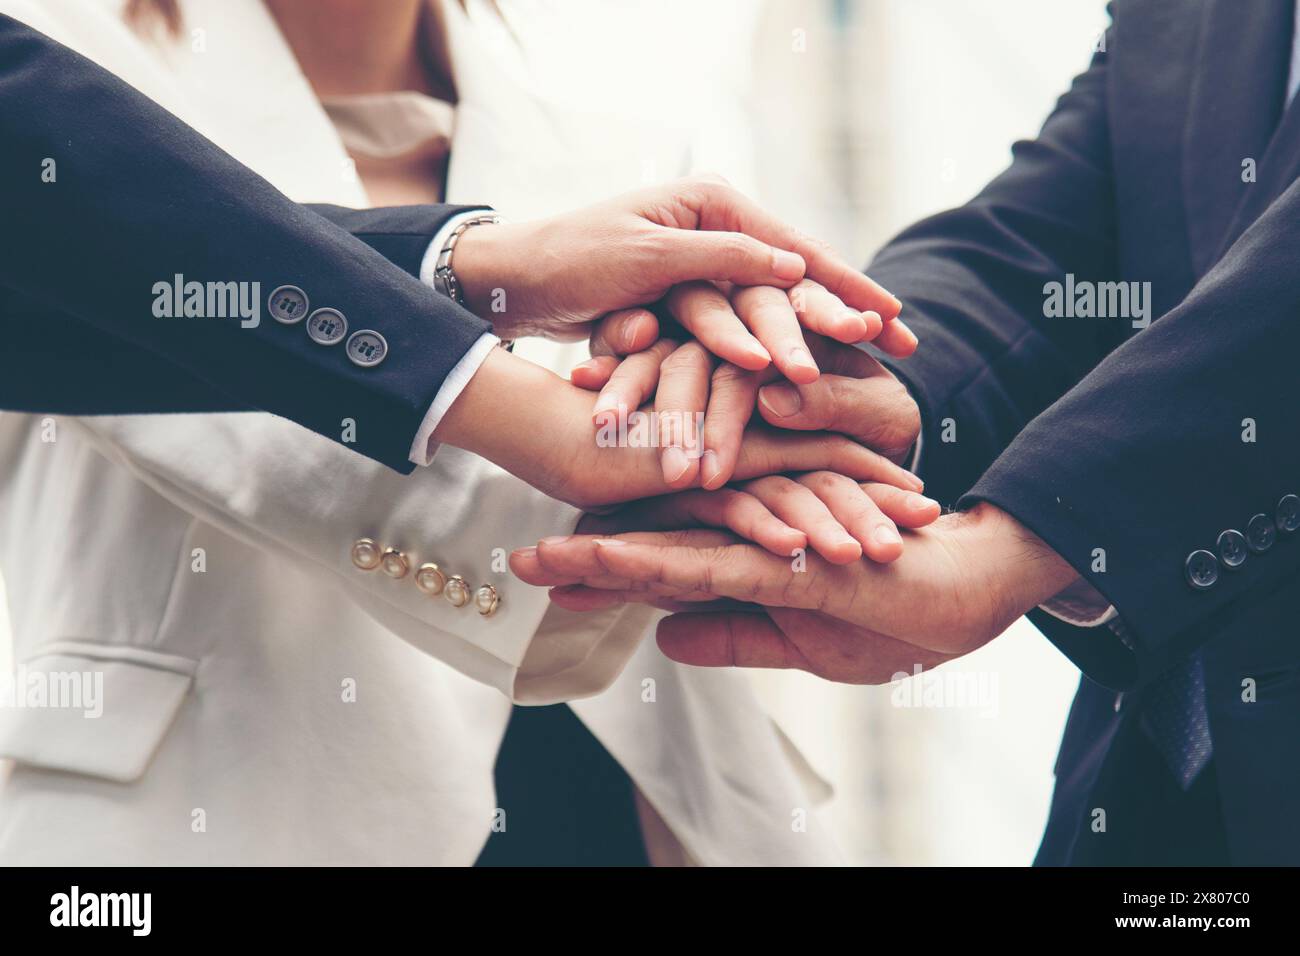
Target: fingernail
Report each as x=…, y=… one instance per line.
x=923, y=502
x=609, y=543
x=885, y=535
x=629, y=334
x=874, y=324
x=556, y=539
x=526, y=552
x=787, y=265
x=710, y=469
x=800, y=358
x=760, y=355
x=590, y=363
x=856, y=321
x=675, y=464
x=605, y=402
x=781, y=400
x=910, y=336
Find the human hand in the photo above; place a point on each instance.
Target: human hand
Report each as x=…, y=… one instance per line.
x=538, y=427
x=554, y=276
x=856, y=396
x=840, y=518
x=958, y=584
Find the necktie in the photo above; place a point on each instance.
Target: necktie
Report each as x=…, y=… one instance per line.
x=1176, y=720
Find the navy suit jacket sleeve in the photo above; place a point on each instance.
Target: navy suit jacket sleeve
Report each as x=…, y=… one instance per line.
x=1093, y=441
x=106, y=194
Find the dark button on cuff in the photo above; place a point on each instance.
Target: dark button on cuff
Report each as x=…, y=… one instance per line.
x=1260, y=533
x=1288, y=514
x=1232, y=549
x=1202, y=570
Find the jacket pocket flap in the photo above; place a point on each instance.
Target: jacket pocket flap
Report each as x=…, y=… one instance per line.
x=94, y=709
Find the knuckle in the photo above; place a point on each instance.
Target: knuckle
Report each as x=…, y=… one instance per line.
x=691, y=357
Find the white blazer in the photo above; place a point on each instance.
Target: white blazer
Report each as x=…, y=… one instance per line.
x=263, y=700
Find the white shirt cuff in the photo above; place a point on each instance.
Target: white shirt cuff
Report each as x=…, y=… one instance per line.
x=1081, y=605
x=424, y=447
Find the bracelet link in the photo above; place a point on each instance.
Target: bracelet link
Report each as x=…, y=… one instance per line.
x=444, y=274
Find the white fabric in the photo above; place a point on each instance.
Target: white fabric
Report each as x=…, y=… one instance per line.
x=423, y=447
x=312, y=712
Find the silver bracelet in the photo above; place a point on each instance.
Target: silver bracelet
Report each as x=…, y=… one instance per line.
x=444, y=276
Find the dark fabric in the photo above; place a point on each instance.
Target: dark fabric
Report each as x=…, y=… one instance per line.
x=1100, y=435
x=567, y=802
x=1149, y=820
x=139, y=198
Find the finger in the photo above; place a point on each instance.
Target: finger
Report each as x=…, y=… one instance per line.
x=680, y=402
x=528, y=566
x=850, y=654
x=767, y=452
x=905, y=508
x=896, y=339
x=799, y=507
x=732, y=395
x=727, y=640
x=579, y=598
x=877, y=411
x=727, y=508
x=624, y=332
x=855, y=511
x=821, y=312
x=593, y=373
x=719, y=206
x=631, y=383
x=572, y=559
x=739, y=571
x=768, y=314
x=703, y=311
x=729, y=257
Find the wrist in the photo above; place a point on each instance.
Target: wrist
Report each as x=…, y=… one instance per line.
x=487, y=265
x=1026, y=571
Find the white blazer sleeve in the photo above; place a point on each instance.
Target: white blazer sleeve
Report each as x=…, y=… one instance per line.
x=281, y=488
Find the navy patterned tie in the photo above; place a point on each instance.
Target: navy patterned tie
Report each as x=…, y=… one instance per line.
x=1176, y=720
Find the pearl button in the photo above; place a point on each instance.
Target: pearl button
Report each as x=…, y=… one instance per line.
x=456, y=591
x=365, y=554
x=394, y=563
x=430, y=579
x=486, y=600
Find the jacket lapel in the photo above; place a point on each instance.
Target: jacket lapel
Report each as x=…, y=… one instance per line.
x=1238, y=92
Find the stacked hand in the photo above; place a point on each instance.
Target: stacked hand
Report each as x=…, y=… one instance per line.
x=776, y=539
x=957, y=584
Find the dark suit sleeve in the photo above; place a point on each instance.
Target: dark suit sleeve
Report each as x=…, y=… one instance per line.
x=972, y=280
x=1147, y=456
x=1093, y=442
x=106, y=194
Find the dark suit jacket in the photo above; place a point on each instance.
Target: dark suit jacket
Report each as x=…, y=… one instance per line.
x=1097, y=435
x=138, y=197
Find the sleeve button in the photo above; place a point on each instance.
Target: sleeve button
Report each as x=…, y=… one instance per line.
x=1232, y=549
x=1260, y=533
x=1202, y=570
x=1288, y=514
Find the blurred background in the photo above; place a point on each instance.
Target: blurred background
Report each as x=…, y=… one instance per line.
x=851, y=119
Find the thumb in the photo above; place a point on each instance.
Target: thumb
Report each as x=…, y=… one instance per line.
x=729, y=257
